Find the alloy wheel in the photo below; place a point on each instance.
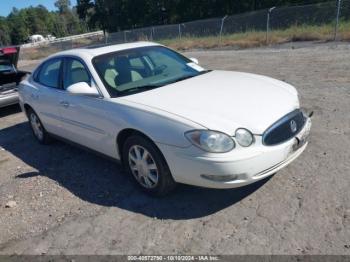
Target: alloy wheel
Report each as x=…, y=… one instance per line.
x=143, y=166
x=36, y=126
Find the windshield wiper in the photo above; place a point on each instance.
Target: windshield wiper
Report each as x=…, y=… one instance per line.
x=183, y=78
x=137, y=89
x=188, y=76
x=180, y=79
x=205, y=71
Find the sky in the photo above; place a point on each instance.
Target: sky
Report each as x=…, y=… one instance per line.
x=7, y=5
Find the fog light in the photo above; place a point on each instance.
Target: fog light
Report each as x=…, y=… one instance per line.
x=220, y=178
x=244, y=137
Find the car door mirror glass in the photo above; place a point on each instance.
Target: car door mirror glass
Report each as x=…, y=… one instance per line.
x=83, y=88
x=194, y=60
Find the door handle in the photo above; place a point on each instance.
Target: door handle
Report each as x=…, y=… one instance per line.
x=64, y=104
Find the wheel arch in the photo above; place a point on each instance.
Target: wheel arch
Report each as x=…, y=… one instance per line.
x=124, y=134
x=27, y=107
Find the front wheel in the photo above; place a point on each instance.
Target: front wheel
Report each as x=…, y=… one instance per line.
x=38, y=129
x=146, y=164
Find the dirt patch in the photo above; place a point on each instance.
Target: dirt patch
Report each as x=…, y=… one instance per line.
x=69, y=201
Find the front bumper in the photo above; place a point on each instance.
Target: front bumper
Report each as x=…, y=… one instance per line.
x=246, y=165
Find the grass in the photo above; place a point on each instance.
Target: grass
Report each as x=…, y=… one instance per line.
x=258, y=38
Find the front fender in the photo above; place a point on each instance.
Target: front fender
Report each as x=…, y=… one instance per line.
x=162, y=127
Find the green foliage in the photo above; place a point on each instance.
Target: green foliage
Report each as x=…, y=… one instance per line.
x=20, y=24
x=114, y=15
x=4, y=32
x=63, y=6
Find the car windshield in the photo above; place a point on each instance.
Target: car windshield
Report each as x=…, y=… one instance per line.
x=140, y=69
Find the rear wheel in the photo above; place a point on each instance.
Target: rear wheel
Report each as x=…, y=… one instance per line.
x=37, y=127
x=146, y=164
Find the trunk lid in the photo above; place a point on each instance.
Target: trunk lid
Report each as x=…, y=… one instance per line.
x=11, y=54
x=9, y=75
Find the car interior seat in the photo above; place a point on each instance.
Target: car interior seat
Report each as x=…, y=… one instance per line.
x=79, y=75
x=109, y=76
x=125, y=74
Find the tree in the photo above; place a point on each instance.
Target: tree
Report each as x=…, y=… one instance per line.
x=18, y=27
x=63, y=6
x=20, y=24
x=114, y=15
x=83, y=8
x=4, y=32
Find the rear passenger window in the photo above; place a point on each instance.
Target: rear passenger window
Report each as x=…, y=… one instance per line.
x=49, y=73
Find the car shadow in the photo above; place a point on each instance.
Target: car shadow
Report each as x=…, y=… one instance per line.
x=9, y=110
x=100, y=181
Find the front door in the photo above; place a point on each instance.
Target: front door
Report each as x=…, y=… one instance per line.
x=84, y=117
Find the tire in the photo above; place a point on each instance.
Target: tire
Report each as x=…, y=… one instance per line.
x=38, y=129
x=146, y=164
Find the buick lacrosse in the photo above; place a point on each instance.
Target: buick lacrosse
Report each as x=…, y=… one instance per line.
x=167, y=119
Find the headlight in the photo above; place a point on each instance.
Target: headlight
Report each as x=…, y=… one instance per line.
x=211, y=141
x=244, y=137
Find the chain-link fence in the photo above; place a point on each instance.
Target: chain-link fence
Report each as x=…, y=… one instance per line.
x=44, y=49
x=323, y=21
x=279, y=18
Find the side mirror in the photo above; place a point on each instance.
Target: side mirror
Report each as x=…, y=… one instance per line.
x=194, y=60
x=82, y=88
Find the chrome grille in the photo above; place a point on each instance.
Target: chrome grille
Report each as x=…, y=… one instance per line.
x=284, y=129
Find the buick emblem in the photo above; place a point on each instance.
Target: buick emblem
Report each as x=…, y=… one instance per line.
x=293, y=126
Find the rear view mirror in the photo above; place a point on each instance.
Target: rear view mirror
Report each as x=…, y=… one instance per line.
x=82, y=88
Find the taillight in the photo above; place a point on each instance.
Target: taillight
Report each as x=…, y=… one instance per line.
x=8, y=50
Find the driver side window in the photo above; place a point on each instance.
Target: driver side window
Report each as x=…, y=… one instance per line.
x=75, y=72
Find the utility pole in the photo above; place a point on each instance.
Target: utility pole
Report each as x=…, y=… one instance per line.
x=268, y=23
x=337, y=20
x=222, y=26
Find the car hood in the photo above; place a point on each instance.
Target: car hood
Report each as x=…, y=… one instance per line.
x=224, y=101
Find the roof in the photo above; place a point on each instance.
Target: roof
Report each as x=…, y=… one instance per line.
x=100, y=50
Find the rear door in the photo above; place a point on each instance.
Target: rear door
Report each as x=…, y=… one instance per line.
x=45, y=94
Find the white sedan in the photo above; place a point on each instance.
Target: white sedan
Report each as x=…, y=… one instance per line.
x=164, y=117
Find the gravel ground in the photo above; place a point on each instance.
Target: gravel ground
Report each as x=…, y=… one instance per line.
x=69, y=201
